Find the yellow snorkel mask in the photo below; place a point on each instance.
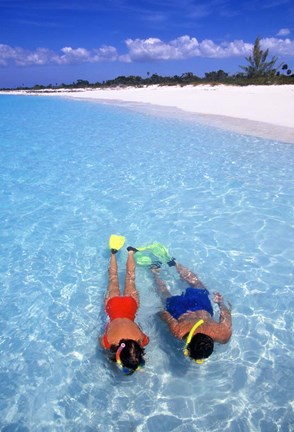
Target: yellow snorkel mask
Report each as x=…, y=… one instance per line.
x=190, y=335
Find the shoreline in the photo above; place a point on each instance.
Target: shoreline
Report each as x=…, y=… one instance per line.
x=239, y=125
x=261, y=111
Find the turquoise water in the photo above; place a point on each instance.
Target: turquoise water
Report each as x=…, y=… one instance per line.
x=74, y=172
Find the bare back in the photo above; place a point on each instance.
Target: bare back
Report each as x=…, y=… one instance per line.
x=123, y=328
x=219, y=332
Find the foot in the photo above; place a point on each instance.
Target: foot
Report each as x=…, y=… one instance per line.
x=113, y=251
x=131, y=248
x=171, y=262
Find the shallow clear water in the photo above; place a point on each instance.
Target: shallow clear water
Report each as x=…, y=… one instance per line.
x=74, y=172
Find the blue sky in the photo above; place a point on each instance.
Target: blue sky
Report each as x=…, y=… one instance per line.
x=60, y=41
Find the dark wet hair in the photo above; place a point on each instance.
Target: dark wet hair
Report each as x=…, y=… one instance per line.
x=132, y=354
x=200, y=347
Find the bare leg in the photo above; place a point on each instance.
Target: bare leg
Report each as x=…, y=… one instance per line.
x=130, y=286
x=161, y=286
x=113, y=285
x=189, y=277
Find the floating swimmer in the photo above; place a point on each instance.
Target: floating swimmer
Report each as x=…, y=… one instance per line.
x=189, y=315
x=123, y=336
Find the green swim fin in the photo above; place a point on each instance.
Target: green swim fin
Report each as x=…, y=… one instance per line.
x=143, y=248
x=160, y=252
x=116, y=242
x=157, y=250
x=142, y=259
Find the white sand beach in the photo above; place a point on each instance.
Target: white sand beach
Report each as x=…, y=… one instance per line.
x=264, y=111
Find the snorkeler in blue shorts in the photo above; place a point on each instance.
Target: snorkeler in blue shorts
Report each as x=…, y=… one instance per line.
x=190, y=314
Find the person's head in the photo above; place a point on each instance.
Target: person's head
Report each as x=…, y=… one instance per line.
x=129, y=355
x=200, y=347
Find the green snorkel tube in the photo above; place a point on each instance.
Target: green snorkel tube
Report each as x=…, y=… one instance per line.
x=143, y=257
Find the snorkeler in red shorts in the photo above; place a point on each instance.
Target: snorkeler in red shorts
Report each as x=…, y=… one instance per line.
x=189, y=315
x=122, y=335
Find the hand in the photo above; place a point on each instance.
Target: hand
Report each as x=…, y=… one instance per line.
x=218, y=298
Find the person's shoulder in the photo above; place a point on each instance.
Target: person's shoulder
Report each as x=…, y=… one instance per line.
x=101, y=341
x=224, y=336
x=218, y=332
x=145, y=340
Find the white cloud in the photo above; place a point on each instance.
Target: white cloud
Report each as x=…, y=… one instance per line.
x=184, y=47
x=140, y=50
x=43, y=56
x=283, y=32
x=155, y=49
x=105, y=53
x=72, y=55
x=8, y=53
x=82, y=55
x=278, y=47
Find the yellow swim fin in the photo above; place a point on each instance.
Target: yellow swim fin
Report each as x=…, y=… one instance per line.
x=116, y=242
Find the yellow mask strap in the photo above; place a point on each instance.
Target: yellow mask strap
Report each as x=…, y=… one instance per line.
x=190, y=335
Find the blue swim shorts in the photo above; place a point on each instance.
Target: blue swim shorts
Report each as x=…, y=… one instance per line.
x=192, y=299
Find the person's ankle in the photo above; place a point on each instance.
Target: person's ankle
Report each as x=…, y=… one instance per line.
x=172, y=262
x=132, y=249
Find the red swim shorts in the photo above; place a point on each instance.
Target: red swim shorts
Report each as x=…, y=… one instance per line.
x=121, y=307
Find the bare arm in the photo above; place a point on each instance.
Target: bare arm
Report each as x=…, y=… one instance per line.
x=189, y=276
x=160, y=284
x=225, y=319
x=101, y=341
x=171, y=322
